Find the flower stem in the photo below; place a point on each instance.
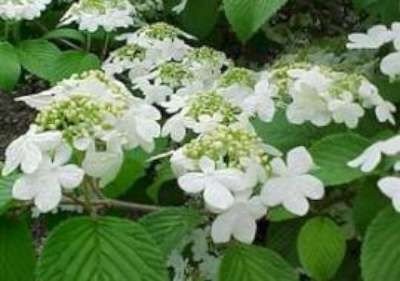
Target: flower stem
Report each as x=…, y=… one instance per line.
x=112, y=203
x=105, y=48
x=88, y=42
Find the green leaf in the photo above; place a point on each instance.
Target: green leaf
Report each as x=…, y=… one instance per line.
x=367, y=204
x=381, y=248
x=251, y=263
x=386, y=10
x=277, y=132
x=279, y=213
x=67, y=33
x=247, y=16
x=86, y=249
x=281, y=238
x=168, y=227
x=199, y=17
x=6, y=184
x=331, y=155
x=38, y=57
x=73, y=62
x=17, y=254
x=321, y=247
x=10, y=69
x=132, y=169
x=164, y=174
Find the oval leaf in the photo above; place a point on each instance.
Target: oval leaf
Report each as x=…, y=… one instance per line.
x=247, y=16
x=168, y=227
x=6, y=184
x=73, y=62
x=331, y=155
x=251, y=263
x=86, y=249
x=38, y=57
x=381, y=248
x=67, y=33
x=321, y=247
x=10, y=69
x=17, y=254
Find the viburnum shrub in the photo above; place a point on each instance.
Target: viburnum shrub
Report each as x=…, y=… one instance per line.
x=153, y=156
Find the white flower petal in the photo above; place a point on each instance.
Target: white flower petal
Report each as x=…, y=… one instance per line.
x=310, y=186
x=296, y=204
x=48, y=195
x=192, y=182
x=222, y=227
x=299, y=161
x=244, y=229
x=70, y=176
x=217, y=197
x=22, y=190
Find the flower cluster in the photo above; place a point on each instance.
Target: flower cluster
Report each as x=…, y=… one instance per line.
x=372, y=157
x=86, y=121
x=375, y=38
x=320, y=95
x=93, y=14
x=22, y=9
x=239, y=177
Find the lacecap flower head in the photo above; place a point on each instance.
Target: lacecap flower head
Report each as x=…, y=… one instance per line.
x=93, y=14
x=22, y=9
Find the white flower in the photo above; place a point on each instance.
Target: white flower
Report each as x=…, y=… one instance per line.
x=344, y=110
x=395, y=29
x=156, y=94
x=27, y=150
x=390, y=65
x=217, y=185
x=239, y=221
x=139, y=125
x=390, y=186
x=176, y=127
x=384, y=112
x=104, y=165
x=291, y=184
x=375, y=38
x=22, y=9
x=372, y=156
x=261, y=102
x=308, y=103
x=175, y=103
x=94, y=84
x=181, y=164
x=44, y=186
x=108, y=14
x=206, y=123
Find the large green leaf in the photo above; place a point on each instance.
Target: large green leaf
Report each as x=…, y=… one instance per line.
x=380, y=254
x=251, y=263
x=367, y=204
x=132, y=169
x=331, y=155
x=321, y=247
x=283, y=135
x=73, y=62
x=164, y=174
x=282, y=236
x=247, y=16
x=86, y=249
x=67, y=33
x=387, y=10
x=10, y=69
x=17, y=254
x=168, y=227
x=38, y=57
x=6, y=184
x=199, y=17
